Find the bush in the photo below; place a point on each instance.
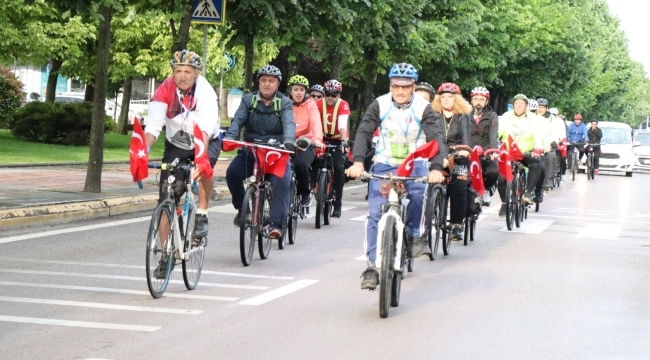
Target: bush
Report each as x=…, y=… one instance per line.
x=56, y=123
x=11, y=95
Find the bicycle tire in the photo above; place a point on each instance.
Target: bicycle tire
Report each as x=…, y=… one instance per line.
x=155, y=251
x=435, y=201
x=263, y=240
x=411, y=264
x=446, y=239
x=536, y=207
x=329, y=196
x=510, y=207
x=320, y=199
x=386, y=272
x=193, y=266
x=472, y=229
x=574, y=168
x=592, y=171
x=466, y=231
x=396, y=286
x=248, y=230
x=294, y=214
x=519, y=191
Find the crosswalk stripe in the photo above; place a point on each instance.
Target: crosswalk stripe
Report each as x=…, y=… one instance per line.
x=82, y=324
x=113, y=290
x=600, y=231
x=99, y=305
x=120, y=277
x=530, y=226
x=277, y=293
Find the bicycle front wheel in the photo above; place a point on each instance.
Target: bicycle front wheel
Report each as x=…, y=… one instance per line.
x=264, y=242
x=574, y=168
x=193, y=254
x=396, y=287
x=472, y=228
x=434, y=233
x=466, y=230
x=294, y=214
x=159, y=255
x=329, y=196
x=248, y=229
x=321, y=191
x=511, y=209
x=446, y=237
x=386, y=272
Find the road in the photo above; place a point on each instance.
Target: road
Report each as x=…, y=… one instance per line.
x=572, y=283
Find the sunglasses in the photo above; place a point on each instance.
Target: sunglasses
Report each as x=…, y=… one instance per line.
x=331, y=95
x=316, y=96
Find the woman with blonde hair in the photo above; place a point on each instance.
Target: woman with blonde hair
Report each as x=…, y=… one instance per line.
x=455, y=111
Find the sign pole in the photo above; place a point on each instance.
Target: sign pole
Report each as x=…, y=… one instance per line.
x=205, y=47
x=220, y=90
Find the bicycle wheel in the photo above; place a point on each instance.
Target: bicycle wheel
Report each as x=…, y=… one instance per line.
x=472, y=229
x=466, y=224
x=159, y=255
x=574, y=168
x=386, y=272
x=446, y=239
x=592, y=171
x=519, y=191
x=248, y=230
x=396, y=287
x=264, y=242
x=294, y=213
x=321, y=187
x=193, y=254
x=329, y=196
x=434, y=232
x=511, y=209
x=536, y=207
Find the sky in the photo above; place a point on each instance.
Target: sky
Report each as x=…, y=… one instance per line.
x=633, y=16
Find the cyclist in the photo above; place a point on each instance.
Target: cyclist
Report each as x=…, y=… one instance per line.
x=558, y=133
x=563, y=159
x=426, y=91
x=523, y=127
x=577, y=134
x=334, y=116
x=549, y=141
x=483, y=131
x=400, y=135
x=266, y=114
x=305, y=114
x=455, y=111
x=184, y=99
x=594, y=134
x=316, y=92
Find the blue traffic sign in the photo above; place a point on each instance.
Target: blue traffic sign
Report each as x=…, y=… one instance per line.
x=231, y=61
x=209, y=12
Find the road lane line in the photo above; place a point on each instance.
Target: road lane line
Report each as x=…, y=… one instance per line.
x=530, y=226
x=591, y=218
x=82, y=324
x=362, y=258
x=312, y=211
x=277, y=293
x=99, y=305
x=121, y=277
x=600, y=231
x=125, y=266
x=71, y=230
x=361, y=218
x=113, y=290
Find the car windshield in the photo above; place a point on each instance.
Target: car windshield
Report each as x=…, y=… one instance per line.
x=644, y=139
x=615, y=136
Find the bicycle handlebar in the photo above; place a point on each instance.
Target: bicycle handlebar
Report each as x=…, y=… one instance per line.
x=390, y=176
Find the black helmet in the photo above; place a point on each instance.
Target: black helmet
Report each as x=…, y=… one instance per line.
x=542, y=102
x=426, y=87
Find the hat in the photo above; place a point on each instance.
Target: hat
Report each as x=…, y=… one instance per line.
x=402, y=81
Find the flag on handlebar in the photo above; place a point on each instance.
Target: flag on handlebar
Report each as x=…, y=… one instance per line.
x=562, y=147
x=273, y=161
x=511, y=147
x=426, y=151
x=505, y=166
x=230, y=145
x=201, y=153
x=139, y=157
x=476, y=173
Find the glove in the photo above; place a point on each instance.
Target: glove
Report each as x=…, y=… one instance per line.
x=289, y=146
x=345, y=145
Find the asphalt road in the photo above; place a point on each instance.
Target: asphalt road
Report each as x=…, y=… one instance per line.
x=571, y=284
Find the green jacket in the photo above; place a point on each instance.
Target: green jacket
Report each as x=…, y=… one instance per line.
x=526, y=130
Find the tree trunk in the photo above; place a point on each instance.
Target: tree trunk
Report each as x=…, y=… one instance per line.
x=369, y=77
x=223, y=97
x=126, y=101
x=89, y=95
x=50, y=92
x=183, y=38
x=336, y=67
x=249, y=54
x=96, y=156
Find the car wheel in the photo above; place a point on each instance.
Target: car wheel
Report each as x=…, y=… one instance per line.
x=629, y=174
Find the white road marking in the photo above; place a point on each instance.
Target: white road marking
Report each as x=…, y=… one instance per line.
x=530, y=226
x=362, y=258
x=113, y=290
x=43, y=261
x=223, y=209
x=121, y=277
x=361, y=218
x=601, y=231
x=312, y=210
x=492, y=209
x=71, y=230
x=590, y=218
x=99, y=305
x=82, y=324
x=279, y=292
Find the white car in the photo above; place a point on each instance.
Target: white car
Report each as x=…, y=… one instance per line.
x=110, y=106
x=642, y=150
x=617, y=153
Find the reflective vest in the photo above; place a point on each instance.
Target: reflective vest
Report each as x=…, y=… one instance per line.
x=333, y=131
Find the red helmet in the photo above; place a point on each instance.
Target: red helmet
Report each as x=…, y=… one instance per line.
x=333, y=86
x=577, y=117
x=449, y=88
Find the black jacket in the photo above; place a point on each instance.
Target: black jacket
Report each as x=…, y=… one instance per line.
x=486, y=132
x=594, y=135
x=456, y=130
x=262, y=123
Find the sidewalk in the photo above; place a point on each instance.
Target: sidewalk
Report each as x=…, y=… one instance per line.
x=47, y=195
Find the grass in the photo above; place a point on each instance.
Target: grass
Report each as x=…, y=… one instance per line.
x=116, y=148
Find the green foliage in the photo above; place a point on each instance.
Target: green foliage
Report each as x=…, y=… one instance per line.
x=56, y=123
x=11, y=95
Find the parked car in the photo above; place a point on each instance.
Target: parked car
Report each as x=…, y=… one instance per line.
x=110, y=106
x=617, y=153
x=642, y=150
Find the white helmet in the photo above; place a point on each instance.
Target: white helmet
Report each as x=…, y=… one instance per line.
x=554, y=111
x=532, y=105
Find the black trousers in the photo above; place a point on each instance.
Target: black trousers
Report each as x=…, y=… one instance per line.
x=457, y=189
x=301, y=163
x=535, y=178
x=596, y=156
x=338, y=162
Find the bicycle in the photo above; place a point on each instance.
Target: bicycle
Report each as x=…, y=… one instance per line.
x=291, y=223
x=446, y=229
x=324, y=189
x=575, y=154
x=391, y=255
x=178, y=242
x=591, y=171
x=436, y=216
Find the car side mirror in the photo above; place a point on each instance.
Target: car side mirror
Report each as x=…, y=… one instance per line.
x=637, y=143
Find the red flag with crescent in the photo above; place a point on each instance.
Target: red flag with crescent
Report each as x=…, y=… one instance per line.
x=513, y=149
x=562, y=147
x=426, y=151
x=139, y=157
x=476, y=173
x=273, y=160
x=230, y=145
x=505, y=166
x=201, y=153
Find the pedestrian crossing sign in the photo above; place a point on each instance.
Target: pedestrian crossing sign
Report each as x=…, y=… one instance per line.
x=211, y=12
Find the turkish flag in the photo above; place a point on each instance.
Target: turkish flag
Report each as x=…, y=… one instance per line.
x=562, y=147
x=426, y=151
x=201, y=154
x=515, y=153
x=230, y=145
x=272, y=160
x=476, y=173
x=139, y=157
x=505, y=166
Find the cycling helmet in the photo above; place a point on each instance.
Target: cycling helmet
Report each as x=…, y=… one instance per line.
x=426, y=87
x=519, y=97
x=554, y=111
x=594, y=120
x=403, y=70
x=333, y=86
x=532, y=104
x=318, y=88
x=270, y=70
x=186, y=57
x=542, y=102
x=577, y=117
x=480, y=91
x=449, y=88
x=298, y=80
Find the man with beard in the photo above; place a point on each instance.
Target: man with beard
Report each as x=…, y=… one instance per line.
x=483, y=132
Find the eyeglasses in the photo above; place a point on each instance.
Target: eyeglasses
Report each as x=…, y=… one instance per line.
x=331, y=95
x=316, y=96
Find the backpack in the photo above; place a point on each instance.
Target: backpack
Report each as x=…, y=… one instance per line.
x=474, y=202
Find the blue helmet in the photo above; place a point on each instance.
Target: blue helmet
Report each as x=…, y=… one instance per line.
x=403, y=70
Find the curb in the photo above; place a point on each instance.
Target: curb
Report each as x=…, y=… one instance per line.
x=88, y=210
x=79, y=163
